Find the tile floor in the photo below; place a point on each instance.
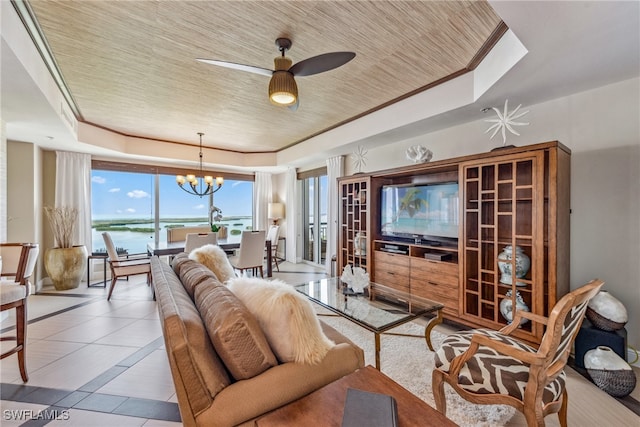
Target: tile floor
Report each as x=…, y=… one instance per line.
x=97, y=363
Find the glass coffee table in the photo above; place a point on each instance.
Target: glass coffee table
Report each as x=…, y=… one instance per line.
x=381, y=309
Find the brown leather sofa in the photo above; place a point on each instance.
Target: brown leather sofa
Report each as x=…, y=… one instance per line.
x=208, y=394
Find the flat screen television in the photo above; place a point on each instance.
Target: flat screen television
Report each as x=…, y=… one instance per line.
x=424, y=211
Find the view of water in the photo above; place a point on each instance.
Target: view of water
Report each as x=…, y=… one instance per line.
x=136, y=242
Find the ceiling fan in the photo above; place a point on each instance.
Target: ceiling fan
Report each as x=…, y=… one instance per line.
x=282, y=87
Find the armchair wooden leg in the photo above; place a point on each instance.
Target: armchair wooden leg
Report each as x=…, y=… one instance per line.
x=562, y=414
x=261, y=273
x=21, y=335
x=533, y=416
x=114, y=279
x=437, y=384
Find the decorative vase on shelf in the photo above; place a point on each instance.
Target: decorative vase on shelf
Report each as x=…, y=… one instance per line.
x=360, y=244
x=506, y=307
x=609, y=371
x=523, y=262
x=606, y=312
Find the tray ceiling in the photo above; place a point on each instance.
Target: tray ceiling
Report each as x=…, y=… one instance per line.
x=130, y=66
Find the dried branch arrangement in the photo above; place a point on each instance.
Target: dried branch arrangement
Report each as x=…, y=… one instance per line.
x=63, y=222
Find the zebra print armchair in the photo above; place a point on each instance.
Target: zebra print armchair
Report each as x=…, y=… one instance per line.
x=490, y=367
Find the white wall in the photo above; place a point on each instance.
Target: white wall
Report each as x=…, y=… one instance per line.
x=602, y=128
x=3, y=182
x=24, y=196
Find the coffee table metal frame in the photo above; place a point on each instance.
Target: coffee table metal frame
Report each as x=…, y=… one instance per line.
x=384, y=308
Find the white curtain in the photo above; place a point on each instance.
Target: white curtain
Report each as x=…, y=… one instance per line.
x=335, y=169
x=73, y=188
x=262, y=196
x=292, y=214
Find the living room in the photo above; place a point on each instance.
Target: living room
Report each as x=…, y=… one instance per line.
x=599, y=123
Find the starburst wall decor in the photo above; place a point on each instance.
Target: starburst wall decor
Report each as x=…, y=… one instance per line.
x=359, y=158
x=506, y=121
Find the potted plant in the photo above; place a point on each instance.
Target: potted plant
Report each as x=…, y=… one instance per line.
x=65, y=263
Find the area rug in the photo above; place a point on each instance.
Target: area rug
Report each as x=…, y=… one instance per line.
x=409, y=362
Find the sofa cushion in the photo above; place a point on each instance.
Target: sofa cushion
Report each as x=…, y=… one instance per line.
x=183, y=329
x=233, y=330
x=191, y=273
x=286, y=317
x=215, y=259
x=178, y=261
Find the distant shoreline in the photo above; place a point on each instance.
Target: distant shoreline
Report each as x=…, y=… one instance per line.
x=125, y=224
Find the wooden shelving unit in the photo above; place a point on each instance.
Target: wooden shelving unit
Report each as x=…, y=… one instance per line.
x=516, y=197
x=354, y=223
x=503, y=201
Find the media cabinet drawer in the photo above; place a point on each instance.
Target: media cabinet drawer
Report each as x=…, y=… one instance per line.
x=428, y=287
x=435, y=267
x=442, y=294
x=392, y=259
x=392, y=279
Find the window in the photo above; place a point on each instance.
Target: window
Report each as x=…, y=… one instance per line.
x=123, y=203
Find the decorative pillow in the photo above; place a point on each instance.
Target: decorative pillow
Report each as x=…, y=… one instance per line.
x=234, y=331
x=215, y=259
x=287, y=319
x=178, y=262
x=192, y=273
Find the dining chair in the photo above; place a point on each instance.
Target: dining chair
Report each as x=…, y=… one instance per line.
x=492, y=367
x=197, y=240
x=19, y=261
x=251, y=254
x=130, y=265
x=273, y=235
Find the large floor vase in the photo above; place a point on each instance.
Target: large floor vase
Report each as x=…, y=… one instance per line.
x=609, y=371
x=66, y=266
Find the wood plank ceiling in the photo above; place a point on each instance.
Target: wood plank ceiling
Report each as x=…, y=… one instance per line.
x=130, y=65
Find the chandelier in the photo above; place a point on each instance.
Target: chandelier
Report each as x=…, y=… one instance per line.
x=196, y=186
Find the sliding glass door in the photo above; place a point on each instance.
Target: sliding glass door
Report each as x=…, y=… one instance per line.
x=314, y=218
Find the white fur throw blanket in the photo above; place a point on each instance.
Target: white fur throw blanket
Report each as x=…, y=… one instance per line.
x=215, y=259
x=286, y=317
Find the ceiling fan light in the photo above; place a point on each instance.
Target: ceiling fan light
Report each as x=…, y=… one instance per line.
x=283, y=89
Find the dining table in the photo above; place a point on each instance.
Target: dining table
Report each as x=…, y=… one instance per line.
x=228, y=244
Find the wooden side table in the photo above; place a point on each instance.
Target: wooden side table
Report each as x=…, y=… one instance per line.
x=325, y=406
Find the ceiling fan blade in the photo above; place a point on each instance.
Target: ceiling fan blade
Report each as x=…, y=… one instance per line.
x=321, y=63
x=241, y=67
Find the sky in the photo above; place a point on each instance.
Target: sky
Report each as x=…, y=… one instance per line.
x=116, y=195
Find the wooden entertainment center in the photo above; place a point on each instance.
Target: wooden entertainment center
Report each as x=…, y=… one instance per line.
x=516, y=196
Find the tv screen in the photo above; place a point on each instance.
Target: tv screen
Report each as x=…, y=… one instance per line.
x=419, y=210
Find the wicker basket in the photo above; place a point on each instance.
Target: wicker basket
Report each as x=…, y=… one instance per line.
x=616, y=383
x=602, y=322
